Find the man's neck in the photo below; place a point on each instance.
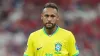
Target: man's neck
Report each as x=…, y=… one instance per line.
x=51, y=31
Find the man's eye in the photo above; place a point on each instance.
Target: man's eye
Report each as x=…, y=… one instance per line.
x=52, y=15
x=46, y=15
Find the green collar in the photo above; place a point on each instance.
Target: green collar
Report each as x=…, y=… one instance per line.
x=52, y=33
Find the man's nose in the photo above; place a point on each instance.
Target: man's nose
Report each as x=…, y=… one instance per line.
x=49, y=18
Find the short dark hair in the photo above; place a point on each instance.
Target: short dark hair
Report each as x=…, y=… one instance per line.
x=51, y=5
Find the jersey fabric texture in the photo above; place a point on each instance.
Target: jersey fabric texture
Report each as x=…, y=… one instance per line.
x=60, y=43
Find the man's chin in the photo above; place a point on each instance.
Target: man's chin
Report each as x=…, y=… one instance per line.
x=49, y=27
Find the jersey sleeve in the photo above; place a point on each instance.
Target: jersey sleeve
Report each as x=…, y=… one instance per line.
x=73, y=49
x=29, y=48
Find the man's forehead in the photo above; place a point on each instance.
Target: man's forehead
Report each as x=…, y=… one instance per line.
x=50, y=11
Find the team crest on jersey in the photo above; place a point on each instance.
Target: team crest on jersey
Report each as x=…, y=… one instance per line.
x=58, y=47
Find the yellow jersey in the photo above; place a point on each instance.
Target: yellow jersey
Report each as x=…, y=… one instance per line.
x=60, y=43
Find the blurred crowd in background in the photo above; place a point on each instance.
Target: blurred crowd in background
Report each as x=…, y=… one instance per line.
x=18, y=18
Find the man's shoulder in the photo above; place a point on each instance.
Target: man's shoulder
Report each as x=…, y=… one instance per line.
x=65, y=31
x=36, y=32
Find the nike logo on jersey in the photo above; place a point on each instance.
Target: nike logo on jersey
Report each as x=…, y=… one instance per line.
x=39, y=48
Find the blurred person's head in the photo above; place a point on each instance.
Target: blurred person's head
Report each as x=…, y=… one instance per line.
x=50, y=15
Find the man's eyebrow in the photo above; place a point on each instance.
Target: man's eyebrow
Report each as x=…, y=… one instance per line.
x=51, y=14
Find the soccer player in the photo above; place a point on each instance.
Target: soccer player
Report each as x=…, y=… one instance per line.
x=51, y=40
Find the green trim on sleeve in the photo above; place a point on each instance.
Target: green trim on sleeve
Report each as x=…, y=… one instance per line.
x=76, y=53
x=25, y=55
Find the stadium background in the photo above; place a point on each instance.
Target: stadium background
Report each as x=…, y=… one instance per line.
x=18, y=18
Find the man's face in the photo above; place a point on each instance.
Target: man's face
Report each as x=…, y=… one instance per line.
x=49, y=17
